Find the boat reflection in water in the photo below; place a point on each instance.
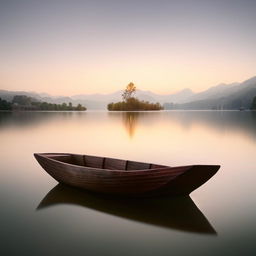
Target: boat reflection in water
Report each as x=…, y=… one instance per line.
x=175, y=213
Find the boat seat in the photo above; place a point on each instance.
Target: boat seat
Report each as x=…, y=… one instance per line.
x=105, y=163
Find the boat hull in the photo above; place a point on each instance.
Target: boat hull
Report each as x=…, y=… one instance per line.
x=159, y=181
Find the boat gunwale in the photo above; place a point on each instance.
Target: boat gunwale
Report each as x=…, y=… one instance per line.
x=44, y=155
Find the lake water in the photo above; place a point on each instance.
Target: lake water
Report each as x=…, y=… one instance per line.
x=40, y=217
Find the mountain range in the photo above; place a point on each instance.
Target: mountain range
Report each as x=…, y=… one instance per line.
x=222, y=96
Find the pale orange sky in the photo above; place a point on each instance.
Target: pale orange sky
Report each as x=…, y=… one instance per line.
x=66, y=48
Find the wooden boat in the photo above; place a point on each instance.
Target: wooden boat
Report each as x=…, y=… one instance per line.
x=123, y=177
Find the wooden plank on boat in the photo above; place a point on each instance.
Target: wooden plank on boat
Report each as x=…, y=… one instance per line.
x=77, y=159
x=93, y=161
x=154, y=166
x=114, y=164
x=132, y=165
x=62, y=158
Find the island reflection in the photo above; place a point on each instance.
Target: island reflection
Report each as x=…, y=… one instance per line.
x=178, y=213
x=130, y=120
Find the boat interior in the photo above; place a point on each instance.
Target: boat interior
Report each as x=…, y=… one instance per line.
x=102, y=162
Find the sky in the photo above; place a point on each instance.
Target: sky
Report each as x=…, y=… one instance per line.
x=77, y=47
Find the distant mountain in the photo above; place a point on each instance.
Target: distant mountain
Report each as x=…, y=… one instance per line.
x=99, y=97
x=8, y=95
x=179, y=97
x=217, y=91
x=222, y=96
x=233, y=96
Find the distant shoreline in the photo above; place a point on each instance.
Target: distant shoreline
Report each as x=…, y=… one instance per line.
x=17, y=111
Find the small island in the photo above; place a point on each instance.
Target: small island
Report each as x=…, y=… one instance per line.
x=130, y=103
x=25, y=103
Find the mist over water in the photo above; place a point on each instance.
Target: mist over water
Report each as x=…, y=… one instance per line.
x=40, y=217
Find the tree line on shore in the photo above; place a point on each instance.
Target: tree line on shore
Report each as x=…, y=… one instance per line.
x=23, y=102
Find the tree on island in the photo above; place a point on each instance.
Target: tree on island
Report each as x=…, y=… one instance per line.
x=254, y=103
x=130, y=103
x=129, y=91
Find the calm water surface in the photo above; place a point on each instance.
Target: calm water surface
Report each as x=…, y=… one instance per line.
x=40, y=217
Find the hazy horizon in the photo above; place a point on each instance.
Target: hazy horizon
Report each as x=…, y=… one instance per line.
x=73, y=47
x=138, y=89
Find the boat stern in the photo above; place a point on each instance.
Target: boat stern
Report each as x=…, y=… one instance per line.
x=191, y=179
